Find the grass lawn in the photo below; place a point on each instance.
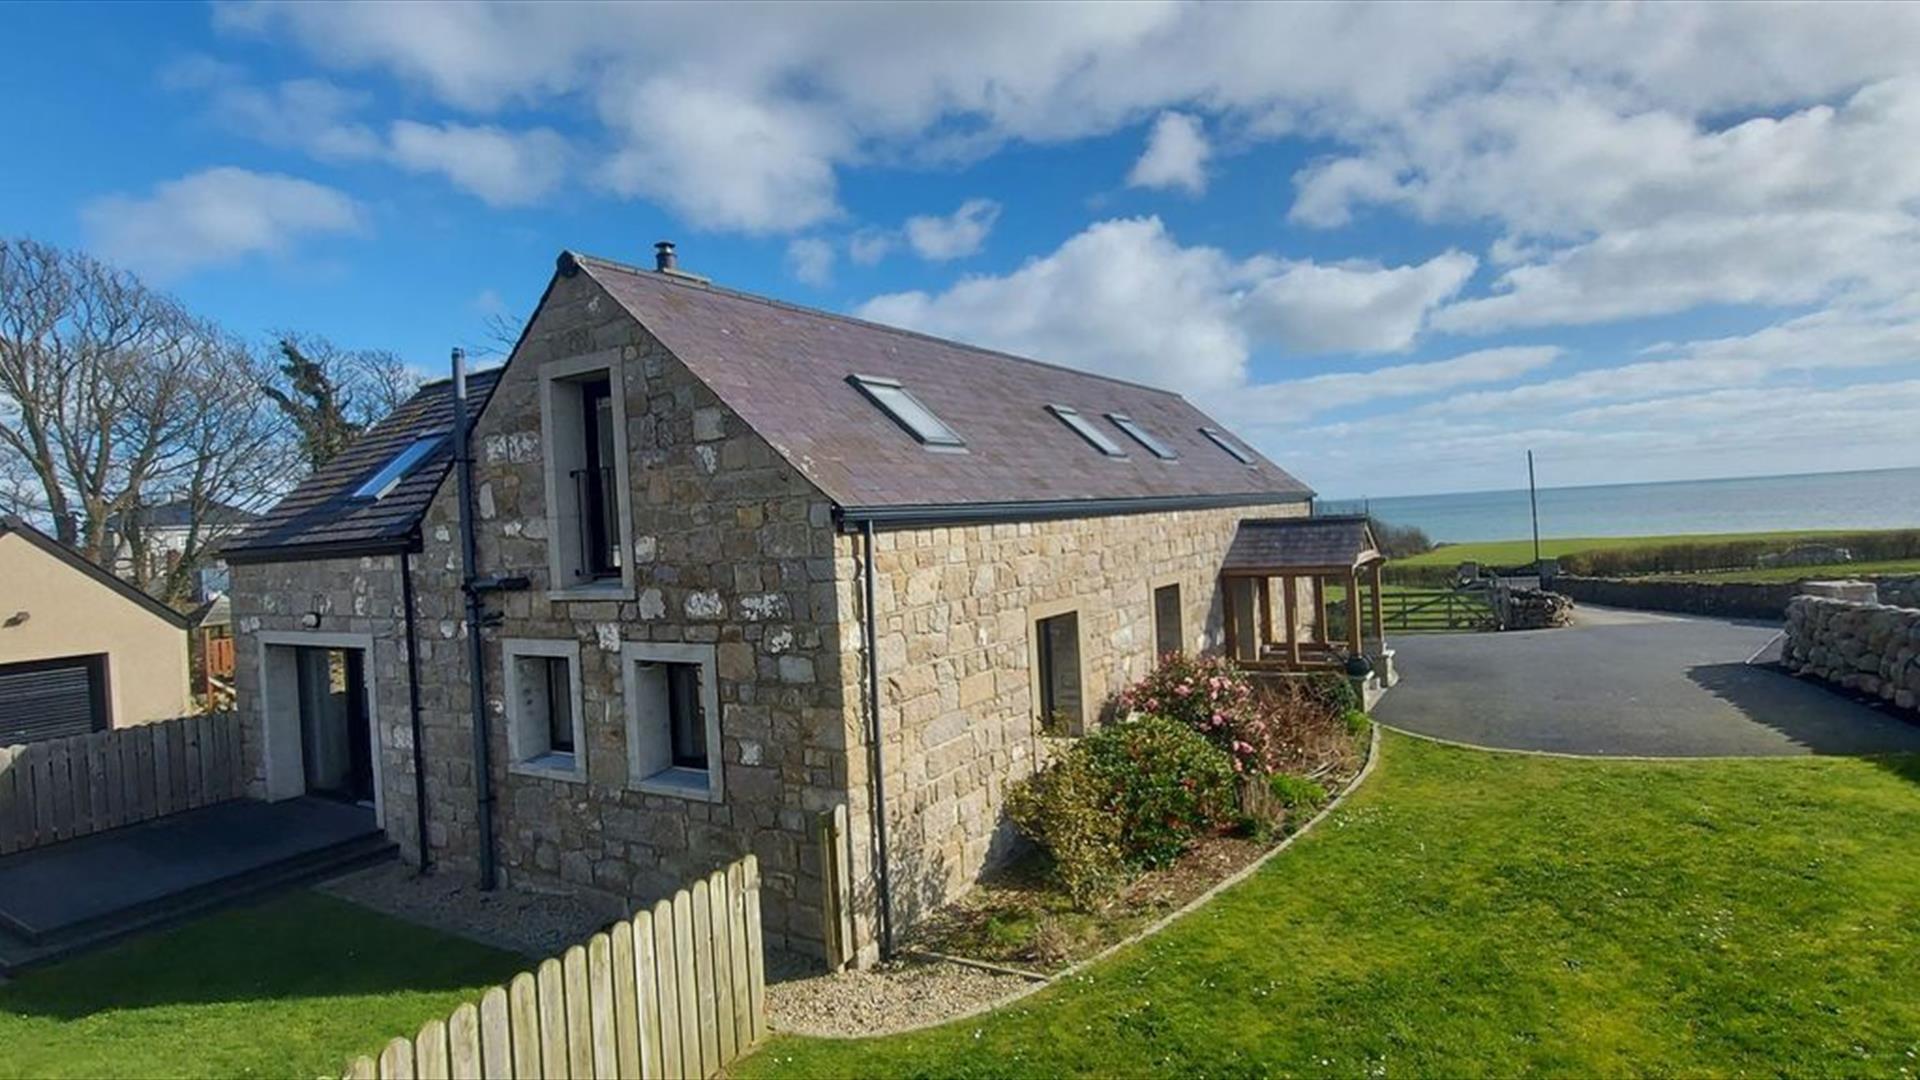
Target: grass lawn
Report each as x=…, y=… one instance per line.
x=1472, y=913
x=293, y=987
x=1519, y=552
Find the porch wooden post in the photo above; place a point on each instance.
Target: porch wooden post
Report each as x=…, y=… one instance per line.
x=1320, y=610
x=1379, y=620
x=1232, y=621
x=1353, y=611
x=1265, y=636
x=1290, y=587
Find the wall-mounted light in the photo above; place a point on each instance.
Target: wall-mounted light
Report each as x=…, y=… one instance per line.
x=16, y=619
x=310, y=620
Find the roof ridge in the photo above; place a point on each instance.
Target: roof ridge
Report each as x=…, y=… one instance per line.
x=685, y=282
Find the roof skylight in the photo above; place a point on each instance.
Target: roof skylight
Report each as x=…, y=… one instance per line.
x=1220, y=440
x=380, y=483
x=1142, y=436
x=905, y=409
x=1073, y=419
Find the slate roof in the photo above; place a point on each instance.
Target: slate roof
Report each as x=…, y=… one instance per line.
x=784, y=370
x=1309, y=543
x=178, y=514
x=319, y=519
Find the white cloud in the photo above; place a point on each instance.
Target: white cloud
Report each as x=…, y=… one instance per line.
x=1271, y=405
x=1123, y=297
x=810, y=260
x=743, y=123
x=503, y=168
x=955, y=236
x=1176, y=155
x=869, y=245
x=216, y=216
x=1353, y=307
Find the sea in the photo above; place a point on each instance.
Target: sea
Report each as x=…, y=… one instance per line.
x=1876, y=499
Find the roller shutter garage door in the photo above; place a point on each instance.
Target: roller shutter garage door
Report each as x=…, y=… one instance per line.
x=46, y=699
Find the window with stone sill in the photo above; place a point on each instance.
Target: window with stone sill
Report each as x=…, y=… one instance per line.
x=673, y=719
x=545, y=721
x=589, y=529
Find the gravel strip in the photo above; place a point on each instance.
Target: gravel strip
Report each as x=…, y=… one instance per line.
x=894, y=997
x=537, y=925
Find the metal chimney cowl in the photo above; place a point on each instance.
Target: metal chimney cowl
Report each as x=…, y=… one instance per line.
x=664, y=259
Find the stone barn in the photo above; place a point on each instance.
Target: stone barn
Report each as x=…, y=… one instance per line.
x=736, y=563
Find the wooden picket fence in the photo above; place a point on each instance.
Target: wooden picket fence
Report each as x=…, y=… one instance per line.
x=61, y=789
x=679, y=991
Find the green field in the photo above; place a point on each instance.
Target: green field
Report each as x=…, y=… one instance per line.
x=293, y=987
x=1519, y=552
x=1480, y=914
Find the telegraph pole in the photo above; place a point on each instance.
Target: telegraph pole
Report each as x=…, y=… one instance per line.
x=1533, y=499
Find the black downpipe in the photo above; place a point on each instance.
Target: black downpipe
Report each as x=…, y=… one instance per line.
x=413, y=710
x=476, y=651
x=884, y=876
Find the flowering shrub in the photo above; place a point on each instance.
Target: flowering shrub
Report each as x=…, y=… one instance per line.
x=1169, y=785
x=1213, y=697
x=1068, y=809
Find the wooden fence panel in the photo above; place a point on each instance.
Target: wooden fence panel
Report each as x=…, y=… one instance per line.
x=523, y=1011
x=676, y=991
x=553, y=1018
x=62, y=789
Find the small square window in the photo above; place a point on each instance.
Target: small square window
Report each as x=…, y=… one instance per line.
x=1057, y=641
x=545, y=733
x=673, y=719
x=1142, y=436
x=1220, y=440
x=1073, y=419
x=1166, y=620
x=907, y=411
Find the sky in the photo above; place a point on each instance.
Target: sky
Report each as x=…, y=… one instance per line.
x=1394, y=246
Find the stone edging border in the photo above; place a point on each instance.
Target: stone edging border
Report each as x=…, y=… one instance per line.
x=1643, y=759
x=1235, y=878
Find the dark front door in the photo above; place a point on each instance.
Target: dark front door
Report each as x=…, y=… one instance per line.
x=336, y=740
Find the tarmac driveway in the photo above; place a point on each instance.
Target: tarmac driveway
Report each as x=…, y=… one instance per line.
x=1628, y=683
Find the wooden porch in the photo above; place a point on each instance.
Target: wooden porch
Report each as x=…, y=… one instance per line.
x=1293, y=632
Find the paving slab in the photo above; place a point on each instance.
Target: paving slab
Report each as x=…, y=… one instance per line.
x=1633, y=684
x=51, y=889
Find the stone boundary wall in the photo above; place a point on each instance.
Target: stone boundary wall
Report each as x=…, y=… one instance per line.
x=1743, y=600
x=1870, y=648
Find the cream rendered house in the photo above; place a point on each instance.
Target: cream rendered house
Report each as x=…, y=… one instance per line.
x=80, y=650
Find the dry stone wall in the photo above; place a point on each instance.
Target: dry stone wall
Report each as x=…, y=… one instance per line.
x=1869, y=648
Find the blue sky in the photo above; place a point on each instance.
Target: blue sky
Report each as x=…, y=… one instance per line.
x=1394, y=246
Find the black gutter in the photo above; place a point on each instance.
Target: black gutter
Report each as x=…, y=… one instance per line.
x=338, y=549
x=855, y=518
x=884, y=876
x=413, y=711
x=476, y=649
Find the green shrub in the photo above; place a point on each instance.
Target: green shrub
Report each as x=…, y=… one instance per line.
x=1169, y=785
x=1068, y=809
x=1296, y=792
x=1357, y=722
x=1331, y=690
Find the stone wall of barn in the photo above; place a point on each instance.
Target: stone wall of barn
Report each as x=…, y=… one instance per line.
x=959, y=708
x=1871, y=649
x=731, y=548
x=356, y=596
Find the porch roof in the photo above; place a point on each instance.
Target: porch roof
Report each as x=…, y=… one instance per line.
x=1294, y=546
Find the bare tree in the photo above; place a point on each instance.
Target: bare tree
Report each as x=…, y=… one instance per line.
x=332, y=394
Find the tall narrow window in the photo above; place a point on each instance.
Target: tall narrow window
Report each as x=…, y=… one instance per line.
x=1058, y=641
x=689, y=727
x=1166, y=620
x=597, y=495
